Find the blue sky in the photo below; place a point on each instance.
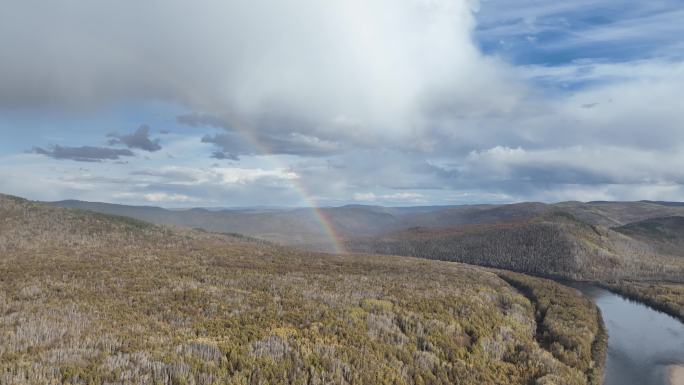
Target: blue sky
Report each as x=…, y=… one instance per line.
x=237, y=103
x=556, y=33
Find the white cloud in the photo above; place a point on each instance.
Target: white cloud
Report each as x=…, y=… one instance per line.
x=157, y=197
x=395, y=94
x=408, y=197
x=389, y=67
x=580, y=165
x=193, y=176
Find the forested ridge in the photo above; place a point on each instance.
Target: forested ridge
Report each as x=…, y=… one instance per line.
x=666, y=234
x=556, y=244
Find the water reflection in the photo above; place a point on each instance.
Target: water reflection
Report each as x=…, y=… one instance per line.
x=642, y=342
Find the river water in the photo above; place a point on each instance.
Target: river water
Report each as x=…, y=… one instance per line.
x=642, y=342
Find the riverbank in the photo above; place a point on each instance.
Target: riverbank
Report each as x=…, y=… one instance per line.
x=676, y=375
x=662, y=296
x=569, y=325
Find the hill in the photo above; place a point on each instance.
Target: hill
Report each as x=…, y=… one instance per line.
x=556, y=244
x=665, y=234
x=96, y=299
x=612, y=214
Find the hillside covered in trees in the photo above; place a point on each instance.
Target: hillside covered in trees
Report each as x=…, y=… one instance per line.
x=555, y=244
x=665, y=234
x=604, y=241
x=94, y=299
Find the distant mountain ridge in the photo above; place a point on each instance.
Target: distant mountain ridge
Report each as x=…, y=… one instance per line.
x=288, y=226
x=301, y=226
x=594, y=240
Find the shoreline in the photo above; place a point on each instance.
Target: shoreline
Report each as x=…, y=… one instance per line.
x=637, y=296
x=676, y=375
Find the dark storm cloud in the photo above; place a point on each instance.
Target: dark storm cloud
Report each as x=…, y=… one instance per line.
x=83, y=153
x=140, y=139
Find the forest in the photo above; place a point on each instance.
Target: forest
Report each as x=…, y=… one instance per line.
x=568, y=325
x=552, y=245
x=95, y=299
x=667, y=297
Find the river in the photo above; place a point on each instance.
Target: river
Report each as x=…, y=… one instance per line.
x=642, y=342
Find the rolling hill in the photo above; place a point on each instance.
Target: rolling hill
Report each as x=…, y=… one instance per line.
x=90, y=298
x=665, y=234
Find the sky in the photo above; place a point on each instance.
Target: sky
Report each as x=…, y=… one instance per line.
x=230, y=103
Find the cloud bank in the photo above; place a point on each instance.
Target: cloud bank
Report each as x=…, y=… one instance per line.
x=333, y=68
x=434, y=101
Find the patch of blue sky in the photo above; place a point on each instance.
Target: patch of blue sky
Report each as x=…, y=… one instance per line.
x=542, y=32
x=554, y=85
x=29, y=128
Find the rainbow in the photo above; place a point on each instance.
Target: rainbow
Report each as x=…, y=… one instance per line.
x=322, y=218
x=320, y=215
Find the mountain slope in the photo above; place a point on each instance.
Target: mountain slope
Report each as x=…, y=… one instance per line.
x=611, y=214
x=556, y=244
x=665, y=234
x=93, y=299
